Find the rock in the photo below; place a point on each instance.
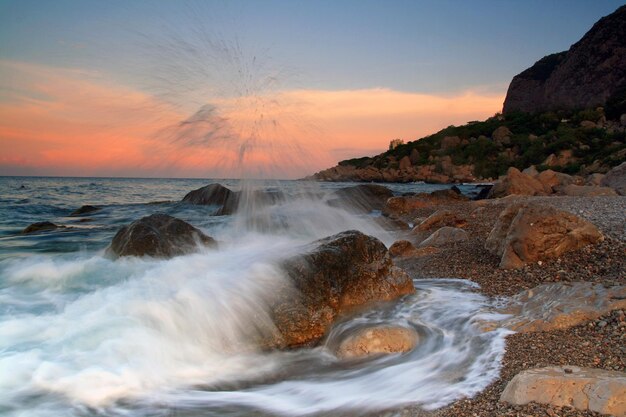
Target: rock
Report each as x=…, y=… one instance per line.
x=581, y=388
x=362, y=197
x=585, y=190
x=405, y=163
x=379, y=340
x=588, y=124
x=594, y=179
x=560, y=306
x=552, y=179
x=40, y=227
x=414, y=157
x=444, y=236
x=587, y=75
x=502, y=135
x=84, y=210
x=527, y=233
x=439, y=219
x=398, y=206
x=338, y=274
x=517, y=183
x=214, y=194
x=449, y=142
x=616, y=179
x=531, y=171
x=405, y=249
x=483, y=193
x=159, y=236
x=622, y=120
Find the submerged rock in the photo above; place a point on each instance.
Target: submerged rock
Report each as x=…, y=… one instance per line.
x=40, y=227
x=84, y=210
x=527, y=233
x=379, y=340
x=362, y=197
x=159, y=236
x=336, y=275
x=214, y=194
x=581, y=388
x=560, y=306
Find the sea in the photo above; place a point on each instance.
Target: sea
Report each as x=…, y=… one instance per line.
x=82, y=334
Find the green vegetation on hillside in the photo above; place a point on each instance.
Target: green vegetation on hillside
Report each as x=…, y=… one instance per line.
x=591, y=143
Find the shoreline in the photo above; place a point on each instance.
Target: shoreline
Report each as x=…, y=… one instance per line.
x=584, y=345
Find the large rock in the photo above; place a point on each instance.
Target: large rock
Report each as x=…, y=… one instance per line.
x=40, y=227
x=214, y=195
x=560, y=305
x=616, y=179
x=445, y=236
x=581, y=388
x=441, y=218
x=379, y=340
x=527, y=233
x=362, y=197
x=502, y=135
x=552, y=179
x=336, y=275
x=404, y=248
x=400, y=206
x=592, y=71
x=515, y=182
x=159, y=236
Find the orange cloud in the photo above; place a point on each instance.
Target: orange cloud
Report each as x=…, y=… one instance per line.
x=63, y=121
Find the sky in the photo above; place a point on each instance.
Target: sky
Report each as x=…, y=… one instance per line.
x=242, y=88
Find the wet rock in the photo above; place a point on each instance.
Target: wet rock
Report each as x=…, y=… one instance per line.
x=561, y=305
x=444, y=236
x=399, y=206
x=527, y=233
x=517, y=183
x=40, y=227
x=616, y=179
x=582, y=388
x=84, y=210
x=336, y=275
x=362, y=197
x=159, y=236
x=214, y=195
x=379, y=340
x=439, y=219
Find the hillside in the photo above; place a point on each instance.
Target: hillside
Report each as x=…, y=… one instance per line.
x=580, y=142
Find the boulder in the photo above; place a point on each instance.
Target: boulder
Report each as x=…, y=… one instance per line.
x=527, y=233
x=556, y=306
x=214, y=195
x=616, y=179
x=399, y=206
x=379, y=340
x=502, y=135
x=40, y=227
x=405, y=249
x=517, y=183
x=444, y=236
x=84, y=210
x=531, y=171
x=594, y=179
x=362, y=197
x=552, y=179
x=585, y=190
x=159, y=236
x=405, y=163
x=590, y=389
x=439, y=219
x=336, y=275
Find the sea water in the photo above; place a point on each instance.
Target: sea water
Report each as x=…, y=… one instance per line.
x=82, y=335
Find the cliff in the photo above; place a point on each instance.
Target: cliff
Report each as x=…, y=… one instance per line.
x=589, y=74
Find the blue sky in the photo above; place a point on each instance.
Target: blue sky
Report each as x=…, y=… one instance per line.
x=420, y=46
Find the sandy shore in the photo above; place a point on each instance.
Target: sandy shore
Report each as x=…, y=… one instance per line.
x=599, y=344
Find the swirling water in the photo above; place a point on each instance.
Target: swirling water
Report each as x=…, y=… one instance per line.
x=81, y=334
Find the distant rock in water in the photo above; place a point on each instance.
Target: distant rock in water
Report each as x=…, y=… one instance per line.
x=84, y=210
x=159, y=236
x=338, y=274
x=214, y=194
x=591, y=73
x=362, y=197
x=40, y=227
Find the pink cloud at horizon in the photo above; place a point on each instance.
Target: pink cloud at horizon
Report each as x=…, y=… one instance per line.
x=61, y=121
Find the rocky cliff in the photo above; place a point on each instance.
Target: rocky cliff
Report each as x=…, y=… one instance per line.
x=590, y=73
